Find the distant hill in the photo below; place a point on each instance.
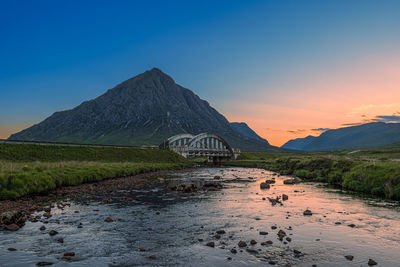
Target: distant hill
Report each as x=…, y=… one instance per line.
x=144, y=110
x=354, y=137
x=246, y=131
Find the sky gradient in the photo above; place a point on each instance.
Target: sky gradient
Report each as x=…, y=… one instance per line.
x=287, y=68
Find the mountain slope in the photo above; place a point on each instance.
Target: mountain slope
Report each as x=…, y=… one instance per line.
x=143, y=110
x=299, y=143
x=361, y=136
x=246, y=131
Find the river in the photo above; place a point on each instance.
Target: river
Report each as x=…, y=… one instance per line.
x=175, y=227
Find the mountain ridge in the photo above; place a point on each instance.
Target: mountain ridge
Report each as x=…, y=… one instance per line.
x=143, y=110
x=354, y=137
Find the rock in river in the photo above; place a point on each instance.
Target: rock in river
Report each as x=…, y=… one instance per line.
x=11, y=227
x=53, y=232
x=292, y=181
x=349, y=257
x=44, y=263
x=109, y=219
x=210, y=244
x=242, y=244
x=285, y=197
x=264, y=186
x=307, y=212
x=371, y=262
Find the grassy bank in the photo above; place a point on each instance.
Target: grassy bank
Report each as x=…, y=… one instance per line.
x=50, y=153
x=373, y=171
x=31, y=169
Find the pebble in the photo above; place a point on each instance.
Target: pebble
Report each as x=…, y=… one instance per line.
x=44, y=263
x=53, y=232
x=371, y=262
x=142, y=249
x=210, y=244
x=242, y=244
x=12, y=249
x=263, y=233
x=234, y=251
x=253, y=242
x=349, y=257
x=250, y=250
x=307, y=213
x=153, y=257
x=42, y=228
x=109, y=219
x=70, y=254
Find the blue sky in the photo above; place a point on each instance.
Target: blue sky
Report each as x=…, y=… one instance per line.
x=57, y=54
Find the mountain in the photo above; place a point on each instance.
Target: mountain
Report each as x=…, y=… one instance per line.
x=354, y=137
x=143, y=110
x=299, y=143
x=246, y=131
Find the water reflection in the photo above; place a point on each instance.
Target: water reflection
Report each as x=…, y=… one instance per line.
x=176, y=226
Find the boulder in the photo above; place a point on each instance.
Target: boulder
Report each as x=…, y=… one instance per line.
x=264, y=186
x=12, y=227
x=242, y=244
x=13, y=217
x=307, y=212
x=349, y=257
x=294, y=180
x=109, y=219
x=210, y=244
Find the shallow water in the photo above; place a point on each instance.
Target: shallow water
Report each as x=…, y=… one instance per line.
x=238, y=209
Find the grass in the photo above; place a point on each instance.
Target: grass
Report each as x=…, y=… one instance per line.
x=27, y=169
x=371, y=171
x=50, y=153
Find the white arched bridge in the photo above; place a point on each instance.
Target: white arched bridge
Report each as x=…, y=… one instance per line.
x=208, y=145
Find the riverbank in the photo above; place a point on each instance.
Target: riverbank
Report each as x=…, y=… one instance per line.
x=373, y=174
x=27, y=169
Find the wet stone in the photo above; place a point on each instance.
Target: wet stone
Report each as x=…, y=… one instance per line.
x=242, y=244
x=263, y=233
x=307, y=212
x=253, y=242
x=250, y=250
x=12, y=249
x=264, y=186
x=371, y=262
x=210, y=244
x=44, y=263
x=109, y=219
x=234, y=251
x=221, y=232
x=153, y=257
x=349, y=257
x=53, y=232
x=269, y=242
x=70, y=254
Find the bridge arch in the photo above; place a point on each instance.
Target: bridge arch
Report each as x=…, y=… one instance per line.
x=177, y=141
x=209, y=141
x=208, y=145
